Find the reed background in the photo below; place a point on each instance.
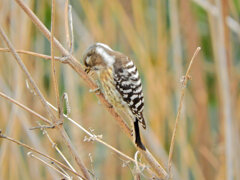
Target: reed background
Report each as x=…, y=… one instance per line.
x=161, y=36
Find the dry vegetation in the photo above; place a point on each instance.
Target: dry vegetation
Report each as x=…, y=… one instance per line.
x=161, y=37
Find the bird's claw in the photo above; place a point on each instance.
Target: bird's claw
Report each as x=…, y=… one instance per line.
x=96, y=90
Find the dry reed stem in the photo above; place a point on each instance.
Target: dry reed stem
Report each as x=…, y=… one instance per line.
x=66, y=23
x=94, y=137
x=220, y=53
x=26, y=108
x=72, y=61
x=38, y=152
x=137, y=169
x=49, y=165
x=54, y=145
x=233, y=25
x=69, y=25
x=22, y=66
x=184, y=83
x=224, y=83
x=59, y=59
x=53, y=69
x=44, y=102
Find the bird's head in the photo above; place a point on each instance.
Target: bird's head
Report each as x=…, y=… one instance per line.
x=97, y=57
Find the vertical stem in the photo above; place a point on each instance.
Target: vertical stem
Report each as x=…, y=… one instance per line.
x=53, y=69
x=225, y=90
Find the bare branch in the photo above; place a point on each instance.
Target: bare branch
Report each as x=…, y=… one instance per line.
x=25, y=108
x=44, y=102
x=184, y=83
x=38, y=152
x=54, y=145
x=53, y=69
x=47, y=164
x=138, y=171
x=69, y=24
x=78, y=68
x=104, y=143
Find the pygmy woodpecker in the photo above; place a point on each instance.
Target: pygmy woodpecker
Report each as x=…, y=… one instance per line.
x=120, y=82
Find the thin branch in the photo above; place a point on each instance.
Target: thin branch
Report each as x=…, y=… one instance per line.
x=73, y=62
x=72, y=121
x=28, y=53
x=61, y=169
x=53, y=69
x=69, y=25
x=38, y=152
x=137, y=169
x=66, y=23
x=225, y=81
x=184, y=83
x=23, y=67
x=34, y=54
x=44, y=102
x=47, y=164
x=71, y=49
x=25, y=108
x=54, y=145
x=232, y=24
x=94, y=137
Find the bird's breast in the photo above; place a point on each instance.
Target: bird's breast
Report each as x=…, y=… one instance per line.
x=109, y=87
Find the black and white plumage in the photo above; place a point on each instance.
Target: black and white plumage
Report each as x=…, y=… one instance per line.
x=120, y=82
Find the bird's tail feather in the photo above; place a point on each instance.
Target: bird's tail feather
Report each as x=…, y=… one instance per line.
x=137, y=136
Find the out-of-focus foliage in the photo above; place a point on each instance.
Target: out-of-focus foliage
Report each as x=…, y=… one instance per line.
x=161, y=37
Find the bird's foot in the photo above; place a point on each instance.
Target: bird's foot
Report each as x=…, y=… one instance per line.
x=96, y=90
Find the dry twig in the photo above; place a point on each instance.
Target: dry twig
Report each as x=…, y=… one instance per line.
x=49, y=165
x=44, y=102
x=78, y=68
x=38, y=152
x=94, y=137
x=184, y=83
x=53, y=69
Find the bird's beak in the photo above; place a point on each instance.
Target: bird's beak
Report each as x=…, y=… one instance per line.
x=87, y=69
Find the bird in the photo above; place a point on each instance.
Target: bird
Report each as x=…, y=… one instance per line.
x=119, y=81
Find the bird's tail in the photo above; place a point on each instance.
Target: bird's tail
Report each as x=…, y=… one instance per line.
x=137, y=135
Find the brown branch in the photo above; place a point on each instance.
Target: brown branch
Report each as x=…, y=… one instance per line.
x=25, y=108
x=44, y=102
x=68, y=23
x=59, y=59
x=72, y=61
x=184, y=83
x=76, y=124
x=48, y=164
x=53, y=69
x=38, y=152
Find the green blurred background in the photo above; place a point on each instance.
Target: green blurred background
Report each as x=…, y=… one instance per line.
x=161, y=37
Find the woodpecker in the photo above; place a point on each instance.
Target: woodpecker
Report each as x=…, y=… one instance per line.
x=120, y=82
